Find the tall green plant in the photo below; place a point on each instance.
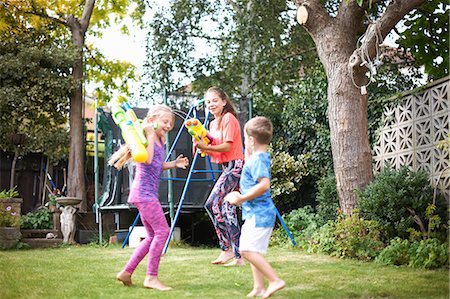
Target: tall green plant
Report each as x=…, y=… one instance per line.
x=327, y=199
x=398, y=199
x=287, y=173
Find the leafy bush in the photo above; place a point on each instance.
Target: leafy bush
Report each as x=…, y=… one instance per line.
x=398, y=199
x=357, y=237
x=327, y=198
x=302, y=223
x=349, y=236
x=287, y=173
x=428, y=254
x=41, y=219
x=323, y=240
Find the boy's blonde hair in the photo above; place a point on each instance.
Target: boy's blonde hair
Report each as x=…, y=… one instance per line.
x=123, y=154
x=260, y=128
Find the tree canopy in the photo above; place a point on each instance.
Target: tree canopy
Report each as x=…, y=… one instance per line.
x=249, y=48
x=35, y=84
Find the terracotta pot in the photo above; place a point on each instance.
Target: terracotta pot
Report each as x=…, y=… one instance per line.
x=9, y=237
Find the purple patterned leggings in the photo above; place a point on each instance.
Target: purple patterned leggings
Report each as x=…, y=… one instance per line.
x=223, y=215
x=155, y=223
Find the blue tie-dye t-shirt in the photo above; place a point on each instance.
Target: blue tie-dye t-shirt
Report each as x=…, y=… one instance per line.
x=262, y=207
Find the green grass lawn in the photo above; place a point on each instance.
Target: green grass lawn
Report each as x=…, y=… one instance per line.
x=89, y=272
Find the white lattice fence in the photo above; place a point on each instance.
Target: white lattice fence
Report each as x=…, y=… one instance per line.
x=412, y=129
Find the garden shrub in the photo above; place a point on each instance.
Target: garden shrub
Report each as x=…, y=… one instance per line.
x=357, y=237
x=428, y=254
x=302, y=223
x=396, y=253
x=350, y=237
x=395, y=198
x=40, y=219
x=323, y=240
x=327, y=198
x=287, y=174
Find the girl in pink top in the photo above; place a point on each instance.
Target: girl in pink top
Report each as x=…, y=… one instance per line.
x=226, y=149
x=144, y=195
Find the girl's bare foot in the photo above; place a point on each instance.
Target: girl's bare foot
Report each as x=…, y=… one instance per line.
x=236, y=262
x=224, y=257
x=256, y=293
x=152, y=282
x=124, y=277
x=273, y=287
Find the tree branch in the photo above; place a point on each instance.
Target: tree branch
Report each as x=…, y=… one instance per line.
x=318, y=15
x=417, y=220
x=87, y=13
x=366, y=4
x=206, y=37
x=378, y=31
x=46, y=16
x=350, y=15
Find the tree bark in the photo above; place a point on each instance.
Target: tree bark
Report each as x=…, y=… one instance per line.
x=76, y=186
x=347, y=114
x=352, y=159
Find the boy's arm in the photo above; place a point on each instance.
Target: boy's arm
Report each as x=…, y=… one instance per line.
x=259, y=189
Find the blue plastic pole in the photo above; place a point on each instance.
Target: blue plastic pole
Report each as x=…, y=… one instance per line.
x=180, y=203
x=129, y=233
x=285, y=227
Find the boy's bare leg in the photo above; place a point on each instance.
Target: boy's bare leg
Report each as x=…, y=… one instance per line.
x=258, y=283
x=224, y=257
x=260, y=263
x=124, y=277
x=152, y=282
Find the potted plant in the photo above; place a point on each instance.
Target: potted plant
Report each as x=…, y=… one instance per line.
x=10, y=206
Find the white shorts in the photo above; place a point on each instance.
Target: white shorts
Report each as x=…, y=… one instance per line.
x=255, y=239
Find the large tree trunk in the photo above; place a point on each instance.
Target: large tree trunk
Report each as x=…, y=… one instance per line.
x=347, y=113
x=76, y=186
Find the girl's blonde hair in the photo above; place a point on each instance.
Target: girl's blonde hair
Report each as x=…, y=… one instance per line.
x=158, y=110
x=123, y=154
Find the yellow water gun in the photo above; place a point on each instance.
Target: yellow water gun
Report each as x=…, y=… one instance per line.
x=131, y=127
x=198, y=132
